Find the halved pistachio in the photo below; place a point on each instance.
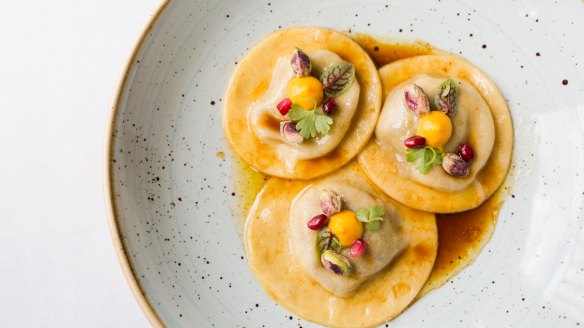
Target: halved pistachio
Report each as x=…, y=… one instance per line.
x=300, y=63
x=290, y=133
x=336, y=263
x=445, y=98
x=330, y=202
x=417, y=100
x=454, y=165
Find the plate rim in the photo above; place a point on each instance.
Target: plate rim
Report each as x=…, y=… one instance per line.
x=110, y=202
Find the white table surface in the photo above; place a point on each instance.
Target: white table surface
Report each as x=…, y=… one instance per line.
x=60, y=62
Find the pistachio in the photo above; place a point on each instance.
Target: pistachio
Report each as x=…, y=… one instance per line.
x=336, y=263
x=326, y=240
x=417, y=100
x=445, y=98
x=300, y=63
x=454, y=165
x=290, y=133
x=330, y=202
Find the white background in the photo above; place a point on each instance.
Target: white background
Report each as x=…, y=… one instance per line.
x=60, y=62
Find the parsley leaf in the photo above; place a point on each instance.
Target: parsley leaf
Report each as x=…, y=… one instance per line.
x=373, y=226
x=310, y=123
x=371, y=216
x=424, y=158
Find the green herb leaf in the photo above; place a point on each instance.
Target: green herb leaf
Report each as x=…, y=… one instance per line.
x=362, y=215
x=310, y=123
x=376, y=213
x=371, y=216
x=424, y=158
x=326, y=240
x=297, y=112
x=446, y=90
x=373, y=226
x=337, y=78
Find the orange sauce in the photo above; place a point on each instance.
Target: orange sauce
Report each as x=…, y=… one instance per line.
x=247, y=184
x=386, y=52
x=271, y=123
x=461, y=237
x=260, y=89
x=460, y=232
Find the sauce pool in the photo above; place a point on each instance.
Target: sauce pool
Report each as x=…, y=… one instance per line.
x=247, y=184
x=461, y=237
x=386, y=52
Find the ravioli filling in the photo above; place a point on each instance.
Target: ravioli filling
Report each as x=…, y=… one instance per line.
x=267, y=122
x=471, y=125
x=363, y=235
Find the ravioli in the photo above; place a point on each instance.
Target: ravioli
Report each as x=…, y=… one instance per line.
x=480, y=118
x=263, y=110
x=383, y=245
x=383, y=282
x=254, y=124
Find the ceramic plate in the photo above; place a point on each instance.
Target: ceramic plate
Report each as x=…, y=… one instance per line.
x=169, y=172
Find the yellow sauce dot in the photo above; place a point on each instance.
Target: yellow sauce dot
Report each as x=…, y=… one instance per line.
x=436, y=127
x=305, y=91
x=346, y=227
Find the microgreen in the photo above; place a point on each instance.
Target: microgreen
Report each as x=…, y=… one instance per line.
x=337, y=78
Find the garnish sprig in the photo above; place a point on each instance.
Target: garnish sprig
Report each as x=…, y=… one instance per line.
x=424, y=159
x=445, y=98
x=371, y=217
x=337, y=78
x=310, y=123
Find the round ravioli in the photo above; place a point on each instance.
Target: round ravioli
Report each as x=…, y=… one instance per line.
x=256, y=117
x=480, y=120
x=282, y=252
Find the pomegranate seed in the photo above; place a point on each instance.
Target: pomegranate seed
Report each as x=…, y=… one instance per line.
x=358, y=248
x=465, y=151
x=329, y=107
x=415, y=142
x=317, y=222
x=284, y=106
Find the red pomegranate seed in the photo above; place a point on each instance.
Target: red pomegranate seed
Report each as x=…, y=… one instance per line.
x=284, y=106
x=317, y=222
x=465, y=151
x=415, y=142
x=358, y=248
x=330, y=106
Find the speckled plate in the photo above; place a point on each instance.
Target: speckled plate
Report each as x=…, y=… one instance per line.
x=170, y=196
